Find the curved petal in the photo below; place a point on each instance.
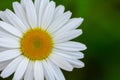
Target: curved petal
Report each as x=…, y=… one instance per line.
x=3, y=16
x=11, y=68
x=42, y=7
x=9, y=54
x=4, y=33
x=70, y=46
x=15, y=21
x=10, y=29
x=37, y=5
x=23, y=3
x=20, y=12
x=65, y=36
x=69, y=54
x=56, y=71
x=21, y=69
x=3, y=64
x=9, y=42
x=71, y=25
x=59, y=22
x=59, y=11
x=31, y=13
x=38, y=71
x=48, y=72
x=75, y=63
x=48, y=15
x=61, y=62
x=29, y=75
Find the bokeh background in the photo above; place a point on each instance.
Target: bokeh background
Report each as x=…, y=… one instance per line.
x=101, y=29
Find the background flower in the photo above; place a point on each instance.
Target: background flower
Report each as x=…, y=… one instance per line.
x=101, y=33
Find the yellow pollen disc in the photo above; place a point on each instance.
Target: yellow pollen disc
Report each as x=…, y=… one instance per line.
x=36, y=44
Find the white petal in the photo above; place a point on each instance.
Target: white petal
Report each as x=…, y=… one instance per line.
x=59, y=22
x=56, y=71
x=31, y=13
x=23, y=3
x=3, y=49
x=11, y=68
x=72, y=24
x=9, y=54
x=69, y=54
x=48, y=72
x=3, y=16
x=15, y=21
x=4, y=33
x=10, y=29
x=59, y=11
x=48, y=15
x=9, y=42
x=65, y=36
x=21, y=69
x=61, y=62
x=70, y=46
x=38, y=71
x=3, y=64
x=37, y=5
x=42, y=7
x=20, y=12
x=75, y=63
x=29, y=75
x=70, y=59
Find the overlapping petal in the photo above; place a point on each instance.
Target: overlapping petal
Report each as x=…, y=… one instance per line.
x=42, y=14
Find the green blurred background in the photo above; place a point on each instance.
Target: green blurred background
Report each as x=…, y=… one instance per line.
x=101, y=35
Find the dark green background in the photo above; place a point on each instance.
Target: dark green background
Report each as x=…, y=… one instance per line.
x=101, y=35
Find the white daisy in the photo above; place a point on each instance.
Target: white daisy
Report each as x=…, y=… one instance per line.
x=35, y=41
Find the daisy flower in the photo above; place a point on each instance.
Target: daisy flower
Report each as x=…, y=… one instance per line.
x=35, y=41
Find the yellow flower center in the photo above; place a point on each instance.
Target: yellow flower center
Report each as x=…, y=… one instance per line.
x=36, y=44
